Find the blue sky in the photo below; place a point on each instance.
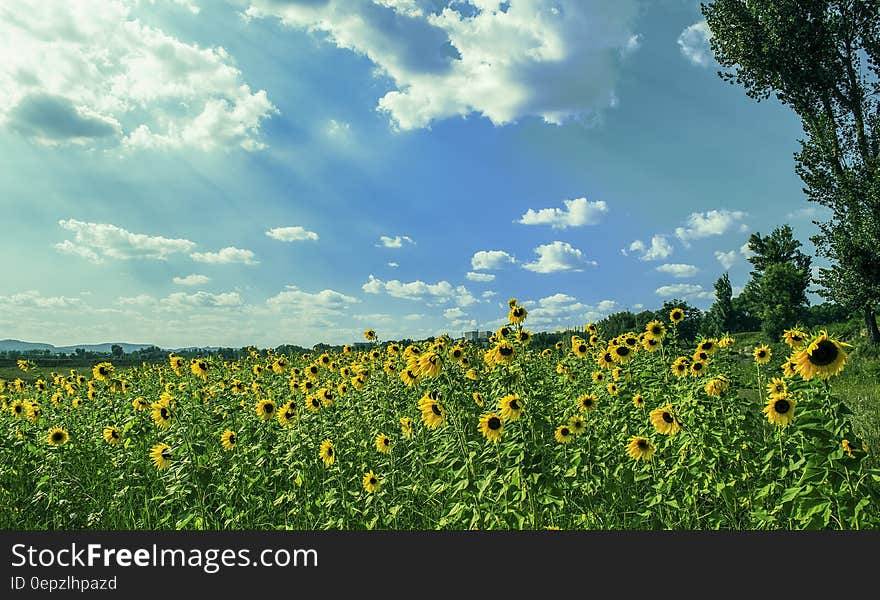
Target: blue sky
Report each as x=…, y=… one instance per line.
x=238, y=172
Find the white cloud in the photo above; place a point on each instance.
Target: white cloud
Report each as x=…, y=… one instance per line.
x=327, y=302
x=727, y=259
x=393, y=265
x=91, y=72
x=488, y=294
x=607, y=306
x=713, y=222
x=558, y=256
x=442, y=291
x=483, y=277
x=192, y=280
x=576, y=213
x=291, y=234
x=203, y=300
x=394, y=242
x=34, y=299
x=683, y=290
x=486, y=260
x=227, y=255
x=504, y=61
x=746, y=251
x=660, y=248
x=96, y=241
x=454, y=313
x=694, y=44
x=338, y=129
x=678, y=270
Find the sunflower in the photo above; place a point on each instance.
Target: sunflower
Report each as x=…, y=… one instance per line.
x=287, y=414
x=580, y=348
x=517, y=315
x=472, y=375
x=638, y=401
x=681, y=366
x=17, y=409
x=265, y=409
x=640, y=448
x=559, y=345
x=650, y=344
x=708, y=345
x=598, y=376
x=622, y=354
x=777, y=388
x=795, y=338
x=326, y=396
x=327, y=453
x=717, y=386
x=511, y=407
x=161, y=416
x=577, y=424
x=491, y=425
x=34, y=412
x=586, y=402
x=57, y=437
x=846, y=447
x=102, y=371
x=664, y=420
x=160, y=454
x=780, y=410
x=112, y=435
x=762, y=354
x=726, y=342
x=698, y=367
x=563, y=434
x=655, y=330
x=612, y=388
x=504, y=351
x=313, y=403
x=371, y=482
x=406, y=427
x=383, y=443
x=789, y=368
x=523, y=337
x=409, y=377
x=605, y=360
x=433, y=413
x=199, y=368
x=822, y=358
x=676, y=315
x=228, y=439
x=370, y=335
x=430, y=365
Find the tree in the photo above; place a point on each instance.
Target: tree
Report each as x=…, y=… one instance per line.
x=822, y=59
x=720, y=317
x=117, y=351
x=777, y=291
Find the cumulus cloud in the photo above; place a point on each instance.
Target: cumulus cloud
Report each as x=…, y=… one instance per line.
x=561, y=310
x=577, y=212
x=501, y=60
x=659, y=249
x=291, y=234
x=394, y=242
x=227, y=255
x=327, y=302
x=454, y=313
x=482, y=277
x=727, y=259
x=706, y=224
x=487, y=260
x=558, y=256
x=694, y=44
x=678, y=270
x=746, y=251
x=97, y=241
x=440, y=292
x=683, y=290
x=203, y=300
x=92, y=72
x=393, y=265
x=192, y=280
x=34, y=299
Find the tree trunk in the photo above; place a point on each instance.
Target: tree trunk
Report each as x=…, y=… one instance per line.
x=872, y=332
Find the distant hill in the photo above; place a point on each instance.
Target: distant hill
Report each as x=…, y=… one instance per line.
x=20, y=346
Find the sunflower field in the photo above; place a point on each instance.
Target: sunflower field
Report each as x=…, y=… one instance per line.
x=637, y=432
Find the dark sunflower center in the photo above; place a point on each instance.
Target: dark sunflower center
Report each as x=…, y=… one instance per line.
x=565, y=431
x=582, y=348
x=667, y=417
x=231, y=439
x=782, y=406
x=642, y=444
x=329, y=451
x=268, y=408
x=588, y=402
x=505, y=351
x=114, y=434
x=164, y=413
x=698, y=366
x=372, y=481
x=435, y=408
x=315, y=402
x=494, y=423
x=386, y=442
x=825, y=353
x=57, y=436
x=655, y=330
x=762, y=354
x=622, y=351
x=514, y=405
